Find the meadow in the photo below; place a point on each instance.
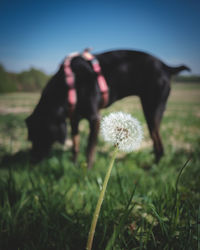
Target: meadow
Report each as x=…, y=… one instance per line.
x=147, y=205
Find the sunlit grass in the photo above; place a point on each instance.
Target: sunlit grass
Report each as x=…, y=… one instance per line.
x=49, y=205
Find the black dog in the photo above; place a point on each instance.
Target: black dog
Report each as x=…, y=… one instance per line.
x=126, y=72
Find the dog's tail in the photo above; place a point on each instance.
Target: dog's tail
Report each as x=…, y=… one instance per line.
x=176, y=70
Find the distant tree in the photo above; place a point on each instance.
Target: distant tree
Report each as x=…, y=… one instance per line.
x=7, y=84
x=187, y=79
x=31, y=80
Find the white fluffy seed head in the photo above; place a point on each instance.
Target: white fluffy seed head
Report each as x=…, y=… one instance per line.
x=122, y=130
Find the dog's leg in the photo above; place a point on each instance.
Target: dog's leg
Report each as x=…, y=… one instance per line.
x=153, y=109
x=75, y=137
x=153, y=125
x=158, y=146
x=92, y=141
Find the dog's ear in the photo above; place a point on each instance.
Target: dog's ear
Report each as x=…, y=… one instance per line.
x=83, y=68
x=32, y=125
x=28, y=121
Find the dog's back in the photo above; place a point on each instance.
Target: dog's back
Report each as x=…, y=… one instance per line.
x=126, y=73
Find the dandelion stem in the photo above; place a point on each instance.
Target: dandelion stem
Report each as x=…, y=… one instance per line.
x=100, y=201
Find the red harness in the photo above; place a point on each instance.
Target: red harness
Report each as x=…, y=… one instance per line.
x=100, y=78
x=70, y=80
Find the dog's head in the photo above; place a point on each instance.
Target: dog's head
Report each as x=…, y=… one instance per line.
x=43, y=132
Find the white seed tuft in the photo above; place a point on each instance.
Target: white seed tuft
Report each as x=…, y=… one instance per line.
x=122, y=130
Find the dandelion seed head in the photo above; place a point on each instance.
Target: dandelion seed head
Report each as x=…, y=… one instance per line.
x=122, y=130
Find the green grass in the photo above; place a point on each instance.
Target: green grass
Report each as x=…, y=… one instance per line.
x=147, y=205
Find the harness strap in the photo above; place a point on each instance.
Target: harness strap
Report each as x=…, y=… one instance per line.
x=70, y=81
x=100, y=78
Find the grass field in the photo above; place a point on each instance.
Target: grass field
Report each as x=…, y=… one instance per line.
x=147, y=205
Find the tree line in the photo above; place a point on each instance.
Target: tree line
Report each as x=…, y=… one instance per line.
x=31, y=80
x=35, y=80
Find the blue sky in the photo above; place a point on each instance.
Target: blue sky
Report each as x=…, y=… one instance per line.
x=41, y=33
